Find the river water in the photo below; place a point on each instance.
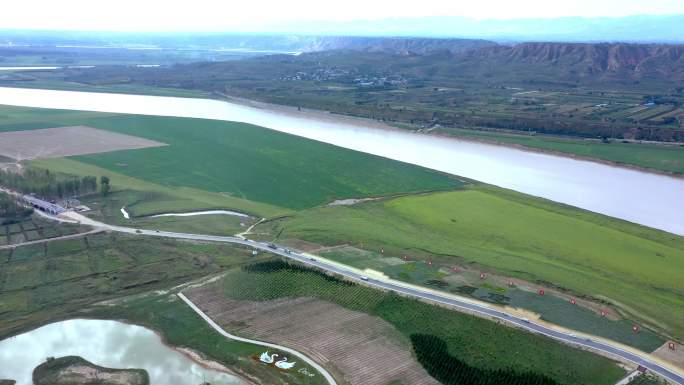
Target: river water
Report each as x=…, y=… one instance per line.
x=111, y=344
x=641, y=197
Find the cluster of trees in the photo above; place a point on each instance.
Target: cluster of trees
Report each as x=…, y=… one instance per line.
x=279, y=265
x=433, y=353
x=49, y=185
x=10, y=210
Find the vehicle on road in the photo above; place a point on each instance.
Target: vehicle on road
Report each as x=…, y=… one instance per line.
x=364, y=278
x=272, y=246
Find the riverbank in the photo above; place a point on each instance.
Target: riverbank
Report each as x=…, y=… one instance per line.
x=613, y=191
x=571, y=155
x=263, y=101
x=336, y=118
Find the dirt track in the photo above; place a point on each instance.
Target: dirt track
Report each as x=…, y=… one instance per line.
x=67, y=141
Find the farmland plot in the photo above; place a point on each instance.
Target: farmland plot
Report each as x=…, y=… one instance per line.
x=66, y=141
x=365, y=349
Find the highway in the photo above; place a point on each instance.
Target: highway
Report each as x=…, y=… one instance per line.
x=426, y=294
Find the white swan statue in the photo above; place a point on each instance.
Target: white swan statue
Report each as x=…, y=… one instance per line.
x=266, y=358
x=283, y=364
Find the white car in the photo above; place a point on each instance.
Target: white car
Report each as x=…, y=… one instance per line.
x=364, y=278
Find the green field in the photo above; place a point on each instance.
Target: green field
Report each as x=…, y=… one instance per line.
x=35, y=228
x=145, y=198
x=479, y=343
x=668, y=158
x=23, y=118
x=637, y=269
x=44, y=282
x=243, y=160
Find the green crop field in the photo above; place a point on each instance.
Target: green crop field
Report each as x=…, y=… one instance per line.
x=669, y=158
x=43, y=282
x=560, y=312
x=145, y=198
x=247, y=161
x=479, y=343
x=23, y=118
x=35, y=228
x=637, y=269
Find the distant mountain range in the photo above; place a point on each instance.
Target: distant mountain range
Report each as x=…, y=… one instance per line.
x=396, y=45
x=646, y=28
x=415, y=35
x=578, y=61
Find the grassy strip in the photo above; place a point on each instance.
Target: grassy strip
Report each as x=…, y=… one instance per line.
x=135, y=89
x=14, y=118
x=658, y=157
x=477, y=342
x=520, y=236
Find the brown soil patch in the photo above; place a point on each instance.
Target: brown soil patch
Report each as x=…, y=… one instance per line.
x=675, y=357
x=366, y=350
x=67, y=141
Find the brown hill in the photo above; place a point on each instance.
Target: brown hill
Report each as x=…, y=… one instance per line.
x=604, y=59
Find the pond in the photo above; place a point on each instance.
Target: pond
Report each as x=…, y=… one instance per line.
x=110, y=344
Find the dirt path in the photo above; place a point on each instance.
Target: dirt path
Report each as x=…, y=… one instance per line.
x=365, y=349
x=219, y=329
x=62, y=238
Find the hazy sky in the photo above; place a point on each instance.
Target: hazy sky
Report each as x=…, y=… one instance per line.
x=212, y=15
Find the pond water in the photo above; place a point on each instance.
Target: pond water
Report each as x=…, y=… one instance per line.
x=207, y=212
x=28, y=68
x=111, y=344
x=641, y=197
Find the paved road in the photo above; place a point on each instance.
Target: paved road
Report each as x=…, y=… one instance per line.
x=455, y=303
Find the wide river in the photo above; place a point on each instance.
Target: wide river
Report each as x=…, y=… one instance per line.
x=641, y=197
x=111, y=344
